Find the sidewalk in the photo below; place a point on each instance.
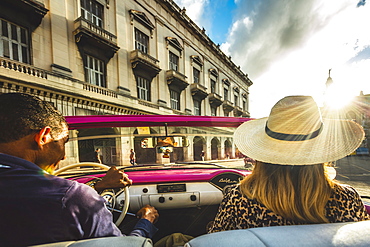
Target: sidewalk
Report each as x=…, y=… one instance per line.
x=354, y=170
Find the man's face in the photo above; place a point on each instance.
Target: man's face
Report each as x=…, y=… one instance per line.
x=54, y=151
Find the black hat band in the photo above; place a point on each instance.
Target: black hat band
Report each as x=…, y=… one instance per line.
x=292, y=137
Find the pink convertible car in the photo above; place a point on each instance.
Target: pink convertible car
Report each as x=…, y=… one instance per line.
x=181, y=165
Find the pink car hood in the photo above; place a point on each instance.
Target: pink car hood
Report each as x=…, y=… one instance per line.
x=178, y=175
x=155, y=176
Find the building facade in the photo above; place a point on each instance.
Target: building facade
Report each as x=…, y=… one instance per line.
x=91, y=57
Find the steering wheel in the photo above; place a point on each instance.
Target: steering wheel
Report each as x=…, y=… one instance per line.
x=114, y=196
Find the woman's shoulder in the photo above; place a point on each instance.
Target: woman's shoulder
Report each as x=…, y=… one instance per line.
x=342, y=191
x=345, y=204
x=344, y=188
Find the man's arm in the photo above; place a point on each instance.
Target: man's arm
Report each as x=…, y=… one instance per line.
x=86, y=214
x=113, y=179
x=89, y=218
x=145, y=226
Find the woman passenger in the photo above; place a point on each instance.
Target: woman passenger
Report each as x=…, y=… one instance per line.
x=289, y=184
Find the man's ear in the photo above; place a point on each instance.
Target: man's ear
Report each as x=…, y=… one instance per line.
x=43, y=136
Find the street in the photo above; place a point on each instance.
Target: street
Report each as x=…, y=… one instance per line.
x=355, y=171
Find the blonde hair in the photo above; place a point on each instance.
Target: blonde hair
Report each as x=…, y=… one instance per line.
x=297, y=193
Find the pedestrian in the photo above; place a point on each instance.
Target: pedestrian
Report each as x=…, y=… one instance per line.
x=289, y=184
x=97, y=156
x=202, y=155
x=132, y=157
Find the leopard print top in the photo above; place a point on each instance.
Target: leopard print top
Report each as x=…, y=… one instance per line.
x=239, y=212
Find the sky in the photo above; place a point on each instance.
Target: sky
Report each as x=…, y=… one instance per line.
x=287, y=46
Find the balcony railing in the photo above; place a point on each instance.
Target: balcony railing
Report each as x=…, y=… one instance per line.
x=40, y=73
x=215, y=96
x=138, y=55
x=246, y=114
x=175, y=74
x=238, y=111
x=176, y=80
x=215, y=99
x=147, y=103
x=82, y=23
x=23, y=68
x=198, y=91
x=99, y=90
x=144, y=64
x=228, y=105
x=197, y=86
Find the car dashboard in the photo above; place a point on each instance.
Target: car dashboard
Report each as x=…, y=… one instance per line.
x=175, y=187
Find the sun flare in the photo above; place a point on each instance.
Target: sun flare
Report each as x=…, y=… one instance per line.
x=337, y=97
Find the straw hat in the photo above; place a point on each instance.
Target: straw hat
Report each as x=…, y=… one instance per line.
x=295, y=134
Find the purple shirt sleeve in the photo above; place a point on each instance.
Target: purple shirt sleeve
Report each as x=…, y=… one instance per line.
x=86, y=213
x=88, y=217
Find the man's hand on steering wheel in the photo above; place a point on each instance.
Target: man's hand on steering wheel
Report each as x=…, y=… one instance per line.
x=113, y=179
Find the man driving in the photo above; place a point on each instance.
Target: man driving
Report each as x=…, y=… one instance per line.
x=37, y=207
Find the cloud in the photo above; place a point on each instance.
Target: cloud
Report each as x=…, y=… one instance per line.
x=286, y=47
x=264, y=31
x=214, y=16
x=196, y=10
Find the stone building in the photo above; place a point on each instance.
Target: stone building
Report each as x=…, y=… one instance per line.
x=92, y=57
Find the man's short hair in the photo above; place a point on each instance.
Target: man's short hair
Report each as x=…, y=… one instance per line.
x=22, y=114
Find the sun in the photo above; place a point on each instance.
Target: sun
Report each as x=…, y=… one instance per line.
x=337, y=97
